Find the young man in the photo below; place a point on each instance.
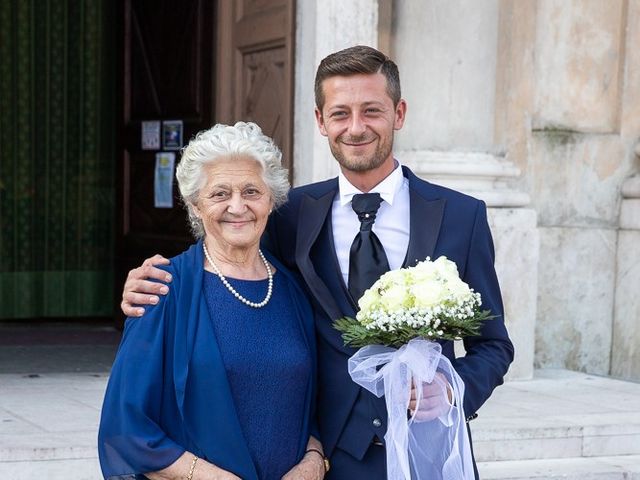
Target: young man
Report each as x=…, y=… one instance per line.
x=339, y=252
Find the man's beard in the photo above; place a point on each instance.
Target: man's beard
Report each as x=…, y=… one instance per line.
x=361, y=163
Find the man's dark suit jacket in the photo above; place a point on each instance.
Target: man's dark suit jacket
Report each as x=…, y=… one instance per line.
x=443, y=222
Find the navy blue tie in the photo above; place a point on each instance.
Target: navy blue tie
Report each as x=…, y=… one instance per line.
x=367, y=260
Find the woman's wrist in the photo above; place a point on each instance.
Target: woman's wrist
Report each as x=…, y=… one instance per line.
x=319, y=455
x=192, y=468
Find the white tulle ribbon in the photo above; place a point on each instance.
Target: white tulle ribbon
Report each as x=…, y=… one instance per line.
x=438, y=449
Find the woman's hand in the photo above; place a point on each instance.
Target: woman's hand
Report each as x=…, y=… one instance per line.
x=311, y=467
x=200, y=470
x=139, y=290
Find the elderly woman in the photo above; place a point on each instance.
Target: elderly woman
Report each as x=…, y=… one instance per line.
x=217, y=380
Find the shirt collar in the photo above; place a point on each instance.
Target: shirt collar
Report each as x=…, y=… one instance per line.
x=387, y=188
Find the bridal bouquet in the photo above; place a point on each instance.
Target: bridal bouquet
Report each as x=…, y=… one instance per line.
x=400, y=318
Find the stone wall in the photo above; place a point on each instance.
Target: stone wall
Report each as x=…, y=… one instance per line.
x=625, y=353
x=581, y=151
x=323, y=27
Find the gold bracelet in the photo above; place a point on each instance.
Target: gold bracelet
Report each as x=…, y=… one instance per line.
x=193, y=467
x=325, y=460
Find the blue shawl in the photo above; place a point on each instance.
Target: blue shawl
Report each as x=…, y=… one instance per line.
x=159, y=404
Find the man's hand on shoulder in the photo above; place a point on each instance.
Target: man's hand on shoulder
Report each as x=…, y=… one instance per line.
x=140, y=289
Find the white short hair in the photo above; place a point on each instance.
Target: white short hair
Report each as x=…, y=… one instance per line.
x=222, y=141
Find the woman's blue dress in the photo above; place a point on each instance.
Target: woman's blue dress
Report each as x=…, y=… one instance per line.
x=268, y=366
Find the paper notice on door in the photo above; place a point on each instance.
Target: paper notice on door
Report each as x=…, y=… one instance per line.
x=163, y=180
x=150, y=135
x=172, y=134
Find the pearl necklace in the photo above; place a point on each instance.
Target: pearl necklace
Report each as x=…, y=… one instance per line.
x=233, y=290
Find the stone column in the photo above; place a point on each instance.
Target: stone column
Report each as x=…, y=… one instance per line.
x=625, y=350
x=467, y=80
x=494, y=179
x=585, y=124
x=322, y=28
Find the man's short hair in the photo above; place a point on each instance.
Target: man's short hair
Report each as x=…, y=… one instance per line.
x=355, y=60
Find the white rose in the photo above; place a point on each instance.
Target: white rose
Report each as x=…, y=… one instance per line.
x=390, y=278
x=369, y=300
x=423, y=272
x=395, y=297
x=458, y=288
x=446, y=267
x=428, y=294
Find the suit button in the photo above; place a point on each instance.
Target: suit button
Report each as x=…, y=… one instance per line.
x=376, y=422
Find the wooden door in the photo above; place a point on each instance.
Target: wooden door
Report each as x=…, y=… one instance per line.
x=166, y=74
x=201, y=62
x=255, y=67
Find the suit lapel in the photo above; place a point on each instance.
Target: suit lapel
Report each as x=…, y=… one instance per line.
x=312, y=215
x=426, y=219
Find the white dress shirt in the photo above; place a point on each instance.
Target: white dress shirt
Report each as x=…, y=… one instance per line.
x=391, y=225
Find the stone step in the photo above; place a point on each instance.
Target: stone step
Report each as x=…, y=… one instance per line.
x=605, y=434
x=48, y=425
x=559, y=414
x=621, y=467
x=61, y=469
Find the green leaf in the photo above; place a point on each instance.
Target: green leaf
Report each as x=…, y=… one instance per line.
x=356, y=335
